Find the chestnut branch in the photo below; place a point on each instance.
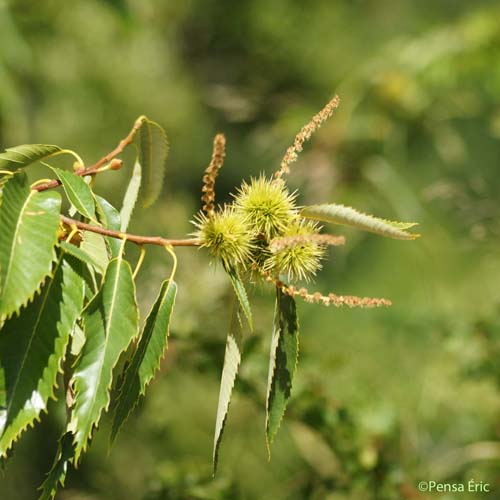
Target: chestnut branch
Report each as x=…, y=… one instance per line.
x=94, y=169
x=134, y=238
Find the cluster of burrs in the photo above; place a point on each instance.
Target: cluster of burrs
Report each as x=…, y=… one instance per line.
x=261, y=234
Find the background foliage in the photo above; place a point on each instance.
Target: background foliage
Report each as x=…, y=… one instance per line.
x=382, y=398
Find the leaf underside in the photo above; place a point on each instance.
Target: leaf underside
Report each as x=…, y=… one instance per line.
x=282, y=362
x=94, y=245
x=153, y=150
x=347, y=216
x=78, y=192
x=110, y=324
x=79, y=253
x=130, y=197
x=241, y=294
x=146, y=359
x=109, y=217
x=32, y=347
x=29, y=223
x=232, y=359
x=25, y=154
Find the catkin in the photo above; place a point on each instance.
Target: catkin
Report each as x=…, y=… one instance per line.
x=332, y=298
x=211, y=172
x=304, y=135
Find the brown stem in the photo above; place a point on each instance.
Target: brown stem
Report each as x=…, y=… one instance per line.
x=135, y=238
x=105, y=159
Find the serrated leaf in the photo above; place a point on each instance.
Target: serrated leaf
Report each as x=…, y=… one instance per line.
x=79, y=254
x=282, y=362
x=130, y=197
x=146, y=359
x=87, y=271
x=29, y=222
x=109, y=217
x=77, y=340
x=25, y=154
x=347, y=216
x=110, y=324
x=94, y=244
x=153, y=150
x=32, y=347
x=77, y=191
x=57, y=474
x=232, y=359
x=241, y=294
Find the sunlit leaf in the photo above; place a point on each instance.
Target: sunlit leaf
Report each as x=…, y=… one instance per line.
x=87, y=271
x=94, y=244
x=79, y=254
x=347, y=216
x=282, y=362
x=241, y=294
x=25, y=154
x=77, y=191
x=110, y=324
x=130, y=197
x=232, y=359
x=32, y=347
x=153, y=150
x=77, y=340
x=146, y=359
x=29, y=222
x=109, y=217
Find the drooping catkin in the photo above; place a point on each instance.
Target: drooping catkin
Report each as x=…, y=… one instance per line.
x=326, y=300
x=304, y=135
x=211, y=172
x=332, y=298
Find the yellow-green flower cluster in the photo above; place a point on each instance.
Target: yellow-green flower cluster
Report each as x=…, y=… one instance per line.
x=268, y=205
x=299, y=261
x=227, y=236
x=240, y=234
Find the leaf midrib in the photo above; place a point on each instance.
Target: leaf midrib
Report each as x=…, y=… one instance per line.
x=35, y=328
x=16, y=233
x=107, y=330
x=68, y=185
x=143, y=353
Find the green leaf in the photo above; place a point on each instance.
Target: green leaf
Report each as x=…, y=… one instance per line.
x=109, y=217
x=146, y=359
x=130, y=196
x=94, y=244
x=26, y=154
x=110, y=324
x=241, y=294
x=77, y=191
x=282, y=362
x=79, y=254
x=77, y=340
x=232, y=359
x=32, y=347
x=29, y=222
x=347, y=216
x=57, y=474
x=153, y=150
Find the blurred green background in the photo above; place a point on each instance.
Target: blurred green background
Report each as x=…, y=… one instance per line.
x=383, y=398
